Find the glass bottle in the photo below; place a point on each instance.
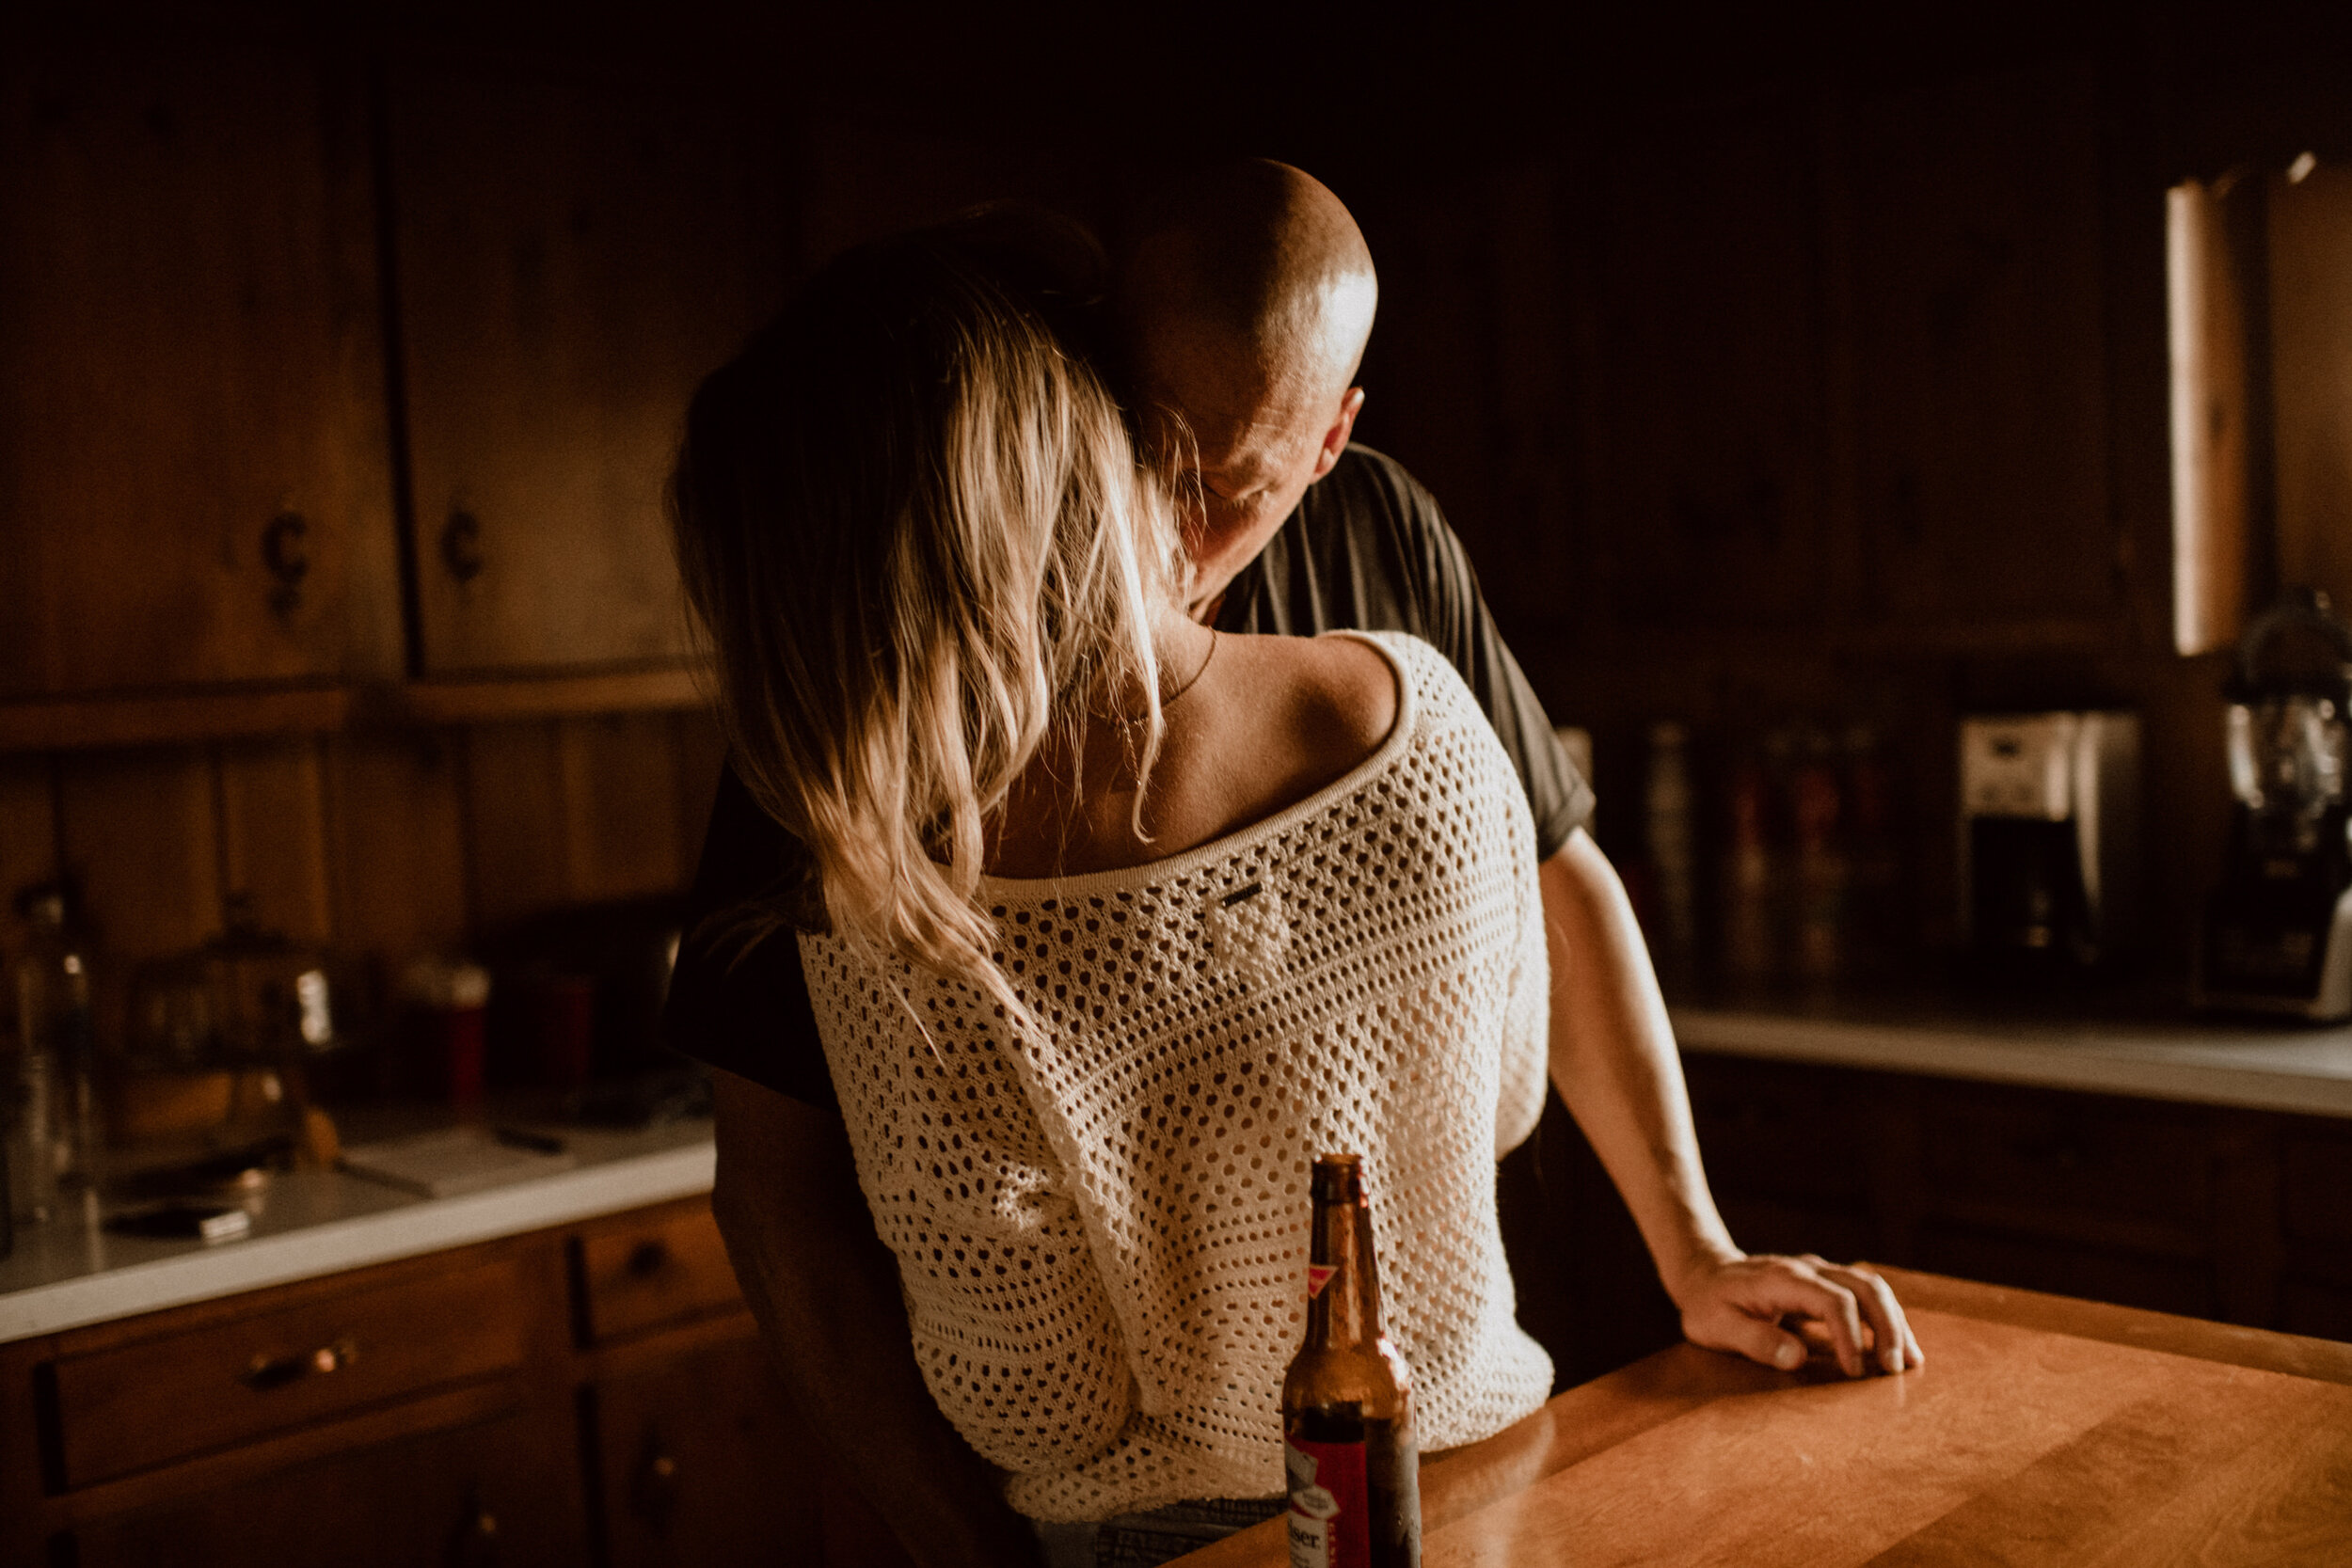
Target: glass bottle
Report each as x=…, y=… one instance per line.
x=55, y=1143
x=1348, y=1448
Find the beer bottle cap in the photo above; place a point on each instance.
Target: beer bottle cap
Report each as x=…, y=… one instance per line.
x=1339, y=1179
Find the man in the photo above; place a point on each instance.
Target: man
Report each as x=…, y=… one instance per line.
x=1243, y=308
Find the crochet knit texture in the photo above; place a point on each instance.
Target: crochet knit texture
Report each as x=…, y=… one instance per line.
x=1101, y=1224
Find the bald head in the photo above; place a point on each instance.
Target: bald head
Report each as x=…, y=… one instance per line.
x=1245, y=298
x=1261, y=261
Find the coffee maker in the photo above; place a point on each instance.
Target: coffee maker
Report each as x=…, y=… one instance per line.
x=2277, y=932
x=2049, y=839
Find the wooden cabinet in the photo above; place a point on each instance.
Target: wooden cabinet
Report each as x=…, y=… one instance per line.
x=1975, y=221
x=231, y=293
x=686, y=1448
x=194, y=481
x=573, y=257
x=270, y=1370
x=1711, y=462
x=500, y=1491
x=2208, y=1211
x=651, y=1269
x=593, y=1393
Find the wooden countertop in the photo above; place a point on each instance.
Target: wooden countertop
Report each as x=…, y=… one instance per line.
x=2042, y=1431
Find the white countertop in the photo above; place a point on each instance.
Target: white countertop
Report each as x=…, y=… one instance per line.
x=311, y=1223
x=2258, y=1066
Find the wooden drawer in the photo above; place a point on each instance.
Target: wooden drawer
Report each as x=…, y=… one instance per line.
x=2125, y=1173
x=505, y=1491
x=654, y=1269
x=703, y=1464
x=1791, y=1133
x=132, y=1406
x=2318, y=1171
x=2094, y=1273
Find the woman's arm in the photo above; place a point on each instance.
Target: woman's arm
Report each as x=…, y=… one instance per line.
x=1614, y=1063
x=826, y=1293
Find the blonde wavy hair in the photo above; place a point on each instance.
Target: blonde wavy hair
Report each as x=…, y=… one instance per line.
x=912, y=522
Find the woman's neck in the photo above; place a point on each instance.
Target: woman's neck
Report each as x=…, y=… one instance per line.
x=1074, y=808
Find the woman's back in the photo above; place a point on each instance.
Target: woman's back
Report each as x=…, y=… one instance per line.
x=1263, y=722
x=1099, y=1214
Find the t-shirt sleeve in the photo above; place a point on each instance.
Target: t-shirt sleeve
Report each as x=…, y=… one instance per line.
x=738, y=1002
x=1458, y=624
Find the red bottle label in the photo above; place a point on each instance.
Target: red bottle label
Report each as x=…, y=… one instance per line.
x=1331, y=1504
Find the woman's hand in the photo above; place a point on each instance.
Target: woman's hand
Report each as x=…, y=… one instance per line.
x=1741, y=1304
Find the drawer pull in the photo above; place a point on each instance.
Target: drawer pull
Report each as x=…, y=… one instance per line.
x=474, y=1543
x=648, y=1258
x=264, y=1372
x=655, y=1492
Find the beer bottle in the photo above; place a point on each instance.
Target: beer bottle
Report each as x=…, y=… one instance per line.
x=1347, y=1410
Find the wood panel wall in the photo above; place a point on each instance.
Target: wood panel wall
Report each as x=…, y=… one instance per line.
x=379, y=845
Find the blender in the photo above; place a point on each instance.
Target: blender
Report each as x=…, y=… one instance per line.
x=2278, y=932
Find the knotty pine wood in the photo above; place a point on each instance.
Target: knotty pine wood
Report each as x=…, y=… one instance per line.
x=29, y=835
x=2040, y=1432
x=542, y=696
x=189, y=310
x=121, y=720
x=504, y=1490
x=131, y=1407
x=2311, y=334
x=380, y=844
x=650, y=1270
x=575, y=256
x=620, y=791
x=141, y=831
x=694, y=1384
x=673, y=1440
x=273, y=834
x=573, y=810
x=1980, y=324
x=397, y=842
x=514, y=822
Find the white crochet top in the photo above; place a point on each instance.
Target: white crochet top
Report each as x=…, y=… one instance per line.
x=1102, y=1228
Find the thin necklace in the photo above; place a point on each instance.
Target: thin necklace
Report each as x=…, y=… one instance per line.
x=1195, y=675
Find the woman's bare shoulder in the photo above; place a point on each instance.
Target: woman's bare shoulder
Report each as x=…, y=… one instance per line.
x=1329, y=701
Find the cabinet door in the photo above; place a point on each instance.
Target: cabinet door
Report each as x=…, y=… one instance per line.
x=1981, y=350
x=193, y=476
x=505, y=1492
x=701, y=1464
x=1710, y=423
x=573, y=257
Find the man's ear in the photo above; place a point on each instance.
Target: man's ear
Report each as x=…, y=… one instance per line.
x=1335, y=438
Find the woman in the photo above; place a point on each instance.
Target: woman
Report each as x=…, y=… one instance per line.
x=1114, y=923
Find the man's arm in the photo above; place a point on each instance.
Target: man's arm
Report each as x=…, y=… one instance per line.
x=825, y=1290
x=1614, y=1063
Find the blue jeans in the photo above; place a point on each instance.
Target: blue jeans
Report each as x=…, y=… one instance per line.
x=1148, y=1539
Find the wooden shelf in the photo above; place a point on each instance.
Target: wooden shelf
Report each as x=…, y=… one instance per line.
x=171, y=718
x=118, y=719
x=489, y=698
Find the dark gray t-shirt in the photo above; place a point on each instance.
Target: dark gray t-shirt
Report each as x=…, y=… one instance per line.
x=1367, y=550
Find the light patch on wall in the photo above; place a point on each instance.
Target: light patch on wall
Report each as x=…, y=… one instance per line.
x=2208, y=336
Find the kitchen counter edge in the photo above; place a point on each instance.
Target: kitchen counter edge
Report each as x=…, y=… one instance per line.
x=117, y=1279
x=2297, y=1071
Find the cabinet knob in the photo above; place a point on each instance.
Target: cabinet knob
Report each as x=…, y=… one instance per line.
x=474, y=1543
x=265, y=1373
x=654, y=1495
x=461, y=546
x=648, y=1258
x=288, y=562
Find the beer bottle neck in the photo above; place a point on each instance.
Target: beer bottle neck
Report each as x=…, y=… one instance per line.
x=1346, y=1310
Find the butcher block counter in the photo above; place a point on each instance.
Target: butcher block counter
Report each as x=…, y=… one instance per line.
x=2042, y=1431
